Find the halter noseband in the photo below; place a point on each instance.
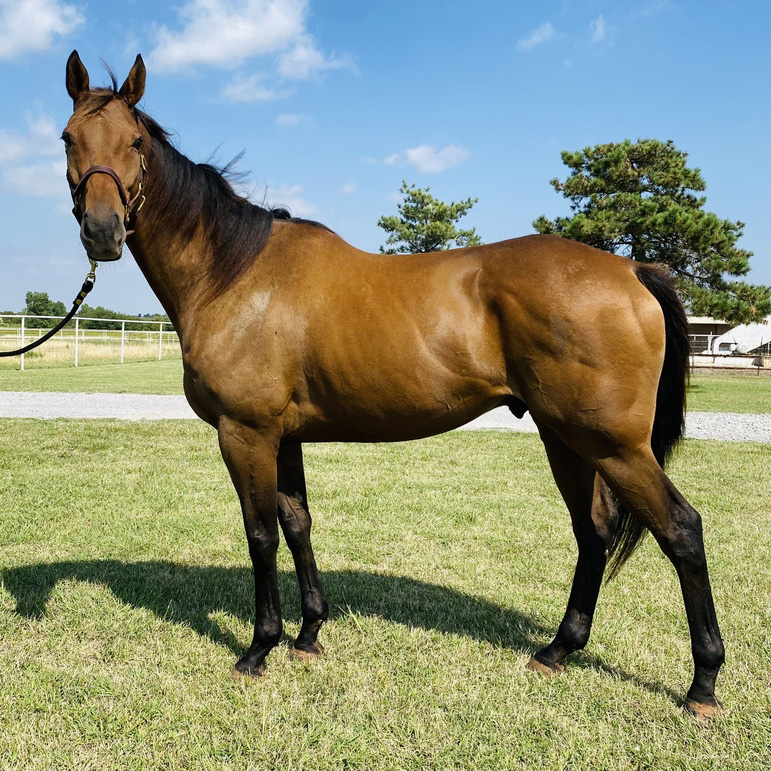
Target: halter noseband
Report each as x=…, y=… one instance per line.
x=128, y=202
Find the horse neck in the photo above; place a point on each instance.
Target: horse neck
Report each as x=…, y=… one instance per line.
x=173, y=262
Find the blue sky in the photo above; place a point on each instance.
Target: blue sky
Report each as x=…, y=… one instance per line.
x=335, y=102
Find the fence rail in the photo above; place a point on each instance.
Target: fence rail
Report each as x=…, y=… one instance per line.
x=125, y=341
x=702, y=344
x=76, y=342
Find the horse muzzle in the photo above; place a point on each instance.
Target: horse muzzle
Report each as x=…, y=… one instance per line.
x=103, y=237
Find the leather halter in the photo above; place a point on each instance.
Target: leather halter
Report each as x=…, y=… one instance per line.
x=128, y=202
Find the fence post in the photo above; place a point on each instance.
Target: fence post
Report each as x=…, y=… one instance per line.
x=122, y=339
x=77, y=320
x=160, y=340
x=22, y=342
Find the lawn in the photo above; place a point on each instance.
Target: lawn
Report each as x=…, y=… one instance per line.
x=141, y=377
x=730, y=392
x=708, y=393
x=126, y=597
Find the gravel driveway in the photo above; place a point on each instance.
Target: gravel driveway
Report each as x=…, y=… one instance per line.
x=15, y=404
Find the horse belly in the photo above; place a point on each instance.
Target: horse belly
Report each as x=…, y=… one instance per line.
x=377, y=422
x=405, y=388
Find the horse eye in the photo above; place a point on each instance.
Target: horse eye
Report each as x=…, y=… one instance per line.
x=67, y=139
x=137, y=143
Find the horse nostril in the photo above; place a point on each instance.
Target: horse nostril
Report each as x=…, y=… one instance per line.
x=88, y=227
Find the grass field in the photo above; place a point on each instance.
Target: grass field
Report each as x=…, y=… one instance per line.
x=144, y=377
x=709, y=392
x=126, y=597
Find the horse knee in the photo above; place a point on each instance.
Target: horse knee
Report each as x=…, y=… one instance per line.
x=261, y=543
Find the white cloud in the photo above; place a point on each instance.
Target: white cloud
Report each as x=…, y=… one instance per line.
x=250, y=88
x=428, y=159
x=44, y=179
x=28, y=26
x=304, y=60
x=290, y=197
x=651, y=8
x=33, y=163
x=597, y=29
x=228, y=33
x=12, y=147
x=391, y=159
x=349, y=188
x=292, y=119
x=539, y=35
x=225, y=34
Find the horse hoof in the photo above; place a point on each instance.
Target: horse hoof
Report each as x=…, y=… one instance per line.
x=548, y=670
x=703, y=712
x=304, y=654
x=249, y=674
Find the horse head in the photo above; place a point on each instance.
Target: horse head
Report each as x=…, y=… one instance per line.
x=104, y=142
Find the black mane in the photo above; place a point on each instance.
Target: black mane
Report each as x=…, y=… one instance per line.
x=237, y=230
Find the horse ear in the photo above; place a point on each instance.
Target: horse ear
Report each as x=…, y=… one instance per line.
x=77, y=77
x=134, y=86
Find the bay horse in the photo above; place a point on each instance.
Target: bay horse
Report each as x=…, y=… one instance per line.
x=290, y=335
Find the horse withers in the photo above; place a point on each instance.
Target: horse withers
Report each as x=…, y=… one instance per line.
x=290, y=335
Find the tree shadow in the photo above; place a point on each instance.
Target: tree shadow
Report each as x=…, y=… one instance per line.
x=193, y=596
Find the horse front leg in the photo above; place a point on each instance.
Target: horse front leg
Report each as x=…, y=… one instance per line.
x=295, y=520
x=251, y=460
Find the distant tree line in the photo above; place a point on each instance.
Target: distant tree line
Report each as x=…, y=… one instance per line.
x=40, y=304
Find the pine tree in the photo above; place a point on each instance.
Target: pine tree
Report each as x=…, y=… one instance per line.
x=640, y=200
x=426, y=224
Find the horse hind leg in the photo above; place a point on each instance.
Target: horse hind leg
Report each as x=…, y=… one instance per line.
x=295, y=520
x=594, y=520
x=644, y=489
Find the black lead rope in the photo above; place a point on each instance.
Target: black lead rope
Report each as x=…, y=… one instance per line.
x=88, y=285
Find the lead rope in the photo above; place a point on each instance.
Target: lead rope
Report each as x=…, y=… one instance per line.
x=88, y=285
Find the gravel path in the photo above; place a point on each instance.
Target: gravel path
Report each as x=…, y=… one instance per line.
x=16, y=404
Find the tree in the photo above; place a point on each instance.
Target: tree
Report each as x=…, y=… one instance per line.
x=425, y=224
x=639, y=200
x=38, y=304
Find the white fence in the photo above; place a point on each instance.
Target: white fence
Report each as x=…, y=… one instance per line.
x=75, y=340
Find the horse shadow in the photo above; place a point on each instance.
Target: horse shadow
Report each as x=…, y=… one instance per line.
x=194, y=596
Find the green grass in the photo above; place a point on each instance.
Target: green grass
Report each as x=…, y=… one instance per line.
x=709, y=393
x=126, y=597
x=141, y=377
x=730, y=393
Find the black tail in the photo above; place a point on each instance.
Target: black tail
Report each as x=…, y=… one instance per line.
x=669, y=421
